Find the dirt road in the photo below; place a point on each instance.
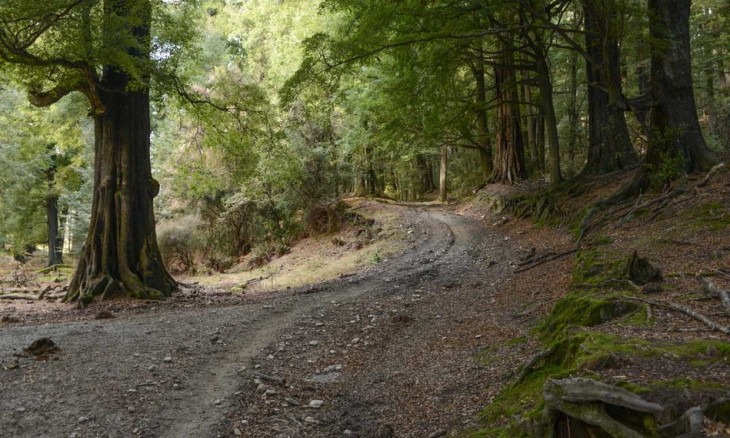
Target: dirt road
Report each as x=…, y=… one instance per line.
x=387, y=352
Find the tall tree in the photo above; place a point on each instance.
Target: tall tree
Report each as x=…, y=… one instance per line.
x=101, y=49
x=609, y=143
x=675, y=137
x=509, y=155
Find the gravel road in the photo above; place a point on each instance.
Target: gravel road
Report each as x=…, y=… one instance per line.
x=389, y=351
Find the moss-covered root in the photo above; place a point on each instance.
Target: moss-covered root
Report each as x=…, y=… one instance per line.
x=589, y=405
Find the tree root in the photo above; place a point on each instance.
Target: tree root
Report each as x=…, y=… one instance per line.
x=531, y=364
x=596, y=405
x=687, y=311
x=586, y=400
x=542, y=260
x=716, y=292
x=627, y=193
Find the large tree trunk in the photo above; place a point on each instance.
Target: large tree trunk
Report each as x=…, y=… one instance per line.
x=121, y=255
x=509, y=161
x=609, y=144
x=674, y=131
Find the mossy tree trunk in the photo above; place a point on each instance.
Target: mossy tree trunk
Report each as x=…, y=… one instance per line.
x=121, y=255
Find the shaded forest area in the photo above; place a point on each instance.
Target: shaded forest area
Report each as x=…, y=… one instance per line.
x=144, y=140
x=262, y=116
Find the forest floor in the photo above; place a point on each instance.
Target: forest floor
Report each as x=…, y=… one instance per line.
x=409, y=335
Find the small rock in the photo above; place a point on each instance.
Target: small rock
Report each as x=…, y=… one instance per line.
x=270, y=392
x=131, y=409
x=21, y=409
x=316, y=404
x=347, y=432
x=237, y=431
x=82, y=420
x=167, y=359
x=244, y=422
x=261, y=388
x=152, y=367
x=218, y=402
x=104, y=315
x=313, y=343
x=42, y=346
x=652, y=288
x=291, y=401
x=310, y=420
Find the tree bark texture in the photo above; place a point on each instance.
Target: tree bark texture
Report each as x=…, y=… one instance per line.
x=674, y=131
x=121, y=255
x=609, y=144
x=509, y=159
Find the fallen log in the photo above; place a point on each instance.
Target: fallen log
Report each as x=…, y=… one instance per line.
x=18, y=296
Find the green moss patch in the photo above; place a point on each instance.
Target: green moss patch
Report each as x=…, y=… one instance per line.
x=583, y=310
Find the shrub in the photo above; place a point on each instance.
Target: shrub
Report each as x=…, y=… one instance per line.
x=182, y=243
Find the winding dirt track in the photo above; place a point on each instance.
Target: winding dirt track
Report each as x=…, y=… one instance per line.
x=191, y=372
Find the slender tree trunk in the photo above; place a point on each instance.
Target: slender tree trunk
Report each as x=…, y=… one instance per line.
x=573, y=111
x=674, y=129
x=531, y=121
x=442, y=172
x=485, y=145
x=509, y=160
x=609, y=144
x=121, y=255
x=541, y=141
x=55, y=243
x=548, y=111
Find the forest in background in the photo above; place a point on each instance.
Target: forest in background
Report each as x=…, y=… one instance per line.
x=265, y=114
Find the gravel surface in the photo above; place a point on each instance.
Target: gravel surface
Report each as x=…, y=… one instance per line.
x=391, y=351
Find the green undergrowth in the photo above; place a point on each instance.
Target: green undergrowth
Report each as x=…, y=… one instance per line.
x=571, y=334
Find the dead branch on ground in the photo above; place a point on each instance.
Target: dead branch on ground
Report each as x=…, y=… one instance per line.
x=716, y=292
x=686, y=310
